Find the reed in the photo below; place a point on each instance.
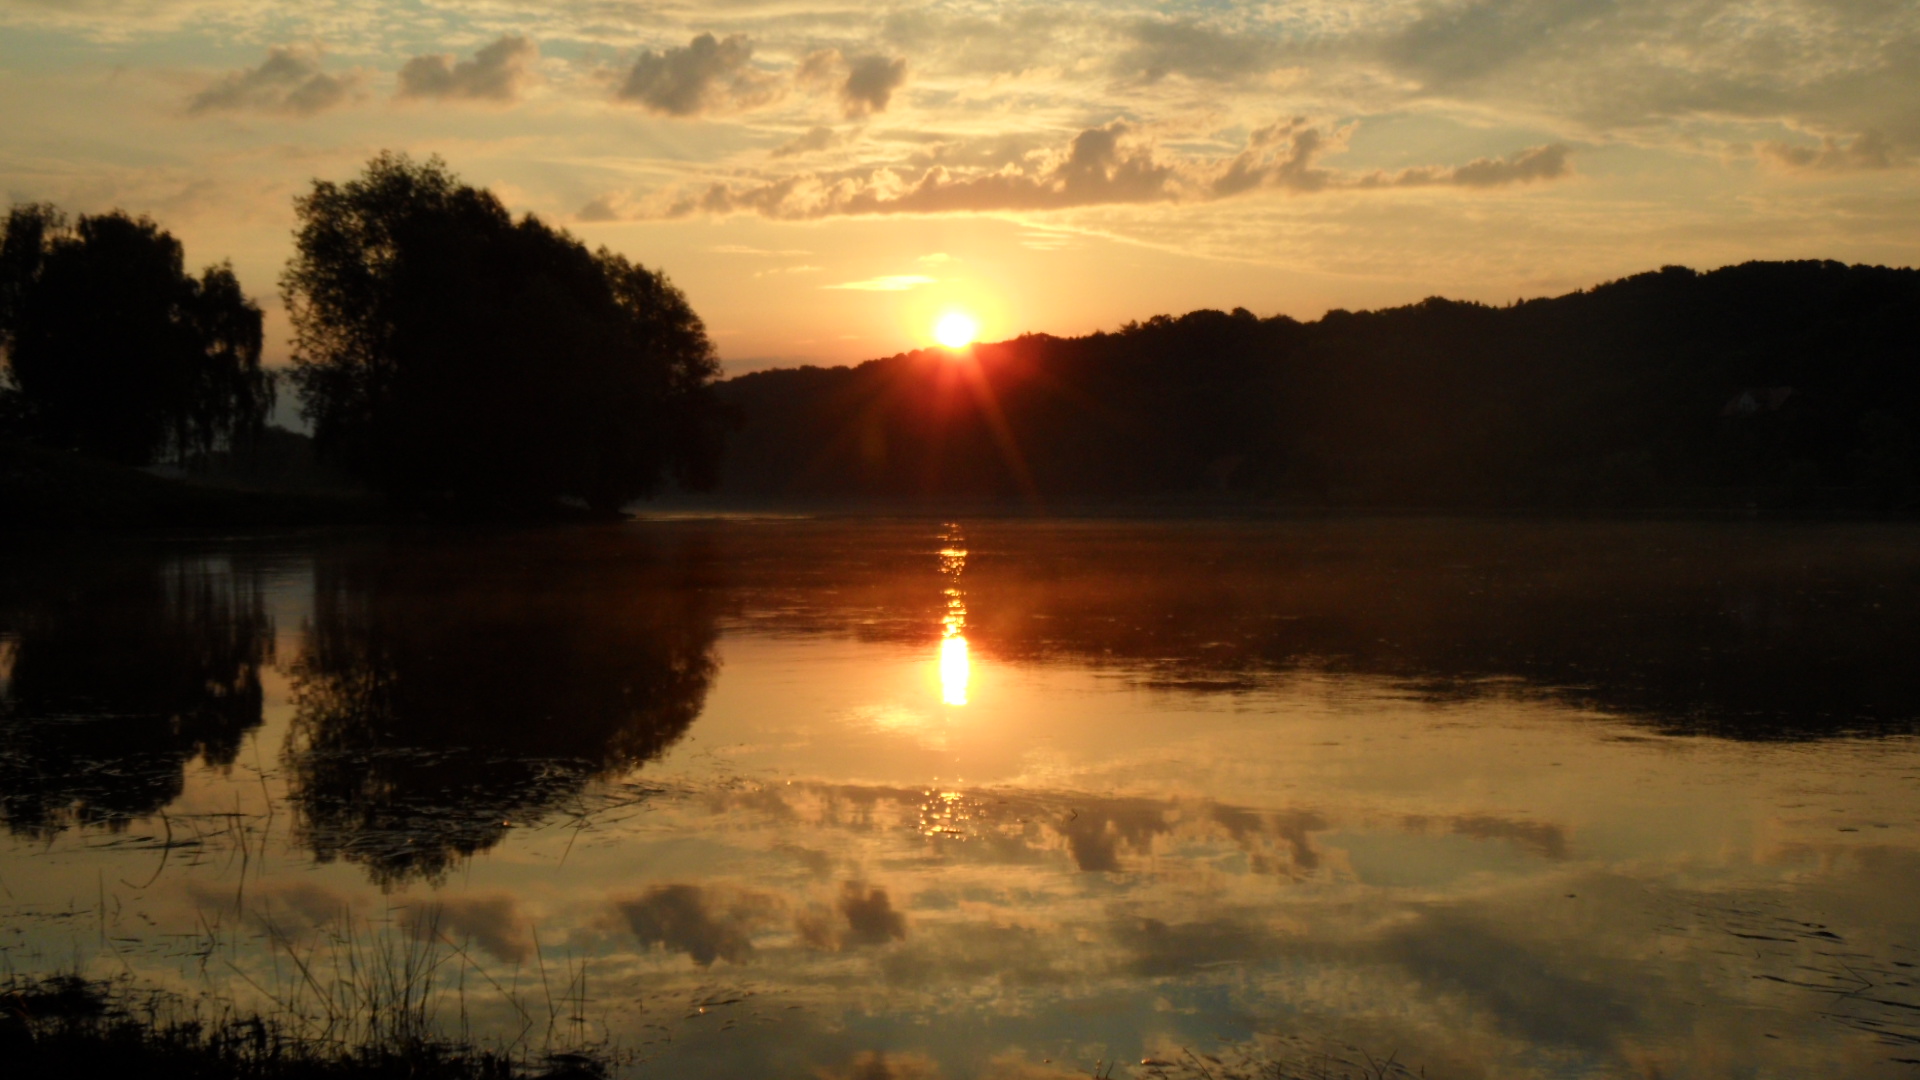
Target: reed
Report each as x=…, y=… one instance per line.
x=344, y=1000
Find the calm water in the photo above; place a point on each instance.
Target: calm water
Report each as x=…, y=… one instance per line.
x=998, y=799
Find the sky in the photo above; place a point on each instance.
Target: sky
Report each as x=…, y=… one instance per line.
x=825, y=180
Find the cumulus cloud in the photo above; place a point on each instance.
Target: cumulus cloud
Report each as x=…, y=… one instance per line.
x=864, y=84
x=871, y=81
x=704, y=923
x=708, y=75
x=1116, y=163
x=497, y=72
x=494, y=923
x=1868, y=150
x=861, y=915
x=290, y=80
x=1279, y=155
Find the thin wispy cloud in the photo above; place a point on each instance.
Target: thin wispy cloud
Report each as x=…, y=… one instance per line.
x=889, y=283
x=1115, y=164
x=811, y=141
x=1868, y=150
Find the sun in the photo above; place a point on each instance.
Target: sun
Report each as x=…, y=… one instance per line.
x=956, y=329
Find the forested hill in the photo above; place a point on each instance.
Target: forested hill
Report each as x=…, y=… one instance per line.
x=1793, y=384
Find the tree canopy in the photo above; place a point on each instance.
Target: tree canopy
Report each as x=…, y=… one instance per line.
x=445, y=351
x=114, y=350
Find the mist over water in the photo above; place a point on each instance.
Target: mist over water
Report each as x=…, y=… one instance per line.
x=1001, y=798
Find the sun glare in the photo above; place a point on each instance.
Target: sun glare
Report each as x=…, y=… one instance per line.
x=956, y=329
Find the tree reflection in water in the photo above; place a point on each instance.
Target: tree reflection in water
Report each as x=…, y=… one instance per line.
x=116, y=671
x=449, y=689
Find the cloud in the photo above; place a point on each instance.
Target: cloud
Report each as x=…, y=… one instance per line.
x=287, y=905
x=871, y=81
x=497, y=72
x=1116, y=163
x=870, y=917
x=709, y=75
x=1184, y=47
x=1279, y=155
x=1545, y=839
x=1868, y=150
x=890, y=283
x=864, y=84
x=861, y=916
x=1535, y=163
x=1540, y=993
x=881, y=1065
x=1459, y=43
x=1101, y=165
x=288, y=81
x=815, y=139
x=1096, y=834
x=1660, y=71
x=494, y=923
x=611, y=207
x=1157, y=948
x=706, y=924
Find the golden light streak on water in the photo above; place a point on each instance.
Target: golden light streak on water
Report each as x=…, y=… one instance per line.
x=956, y=667
x=955, y=670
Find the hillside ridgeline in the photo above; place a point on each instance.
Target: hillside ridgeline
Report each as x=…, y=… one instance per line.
x=1780, y=385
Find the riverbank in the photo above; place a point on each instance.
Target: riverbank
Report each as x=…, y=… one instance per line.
x=70, y=1028
x=43, y=489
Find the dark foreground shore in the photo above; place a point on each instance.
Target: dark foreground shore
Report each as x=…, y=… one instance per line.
x=70, y=1028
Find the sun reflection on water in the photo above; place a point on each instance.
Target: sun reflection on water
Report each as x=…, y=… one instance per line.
x=956, y=666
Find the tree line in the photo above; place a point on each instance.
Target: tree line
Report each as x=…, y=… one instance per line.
x=450, y=356
x=114, y=349
x=1780, y=383
x=445, y=354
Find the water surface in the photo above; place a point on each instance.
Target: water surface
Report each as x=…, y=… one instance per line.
x=1000, y=799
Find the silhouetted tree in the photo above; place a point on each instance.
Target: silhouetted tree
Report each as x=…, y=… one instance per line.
x=444, y=350
x=115, y=350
